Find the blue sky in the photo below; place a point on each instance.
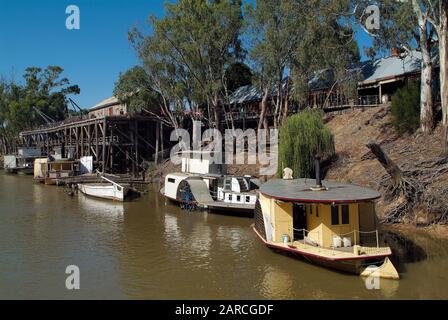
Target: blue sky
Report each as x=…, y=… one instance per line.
x=33, y=33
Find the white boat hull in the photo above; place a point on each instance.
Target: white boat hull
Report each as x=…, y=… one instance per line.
x=104, y=191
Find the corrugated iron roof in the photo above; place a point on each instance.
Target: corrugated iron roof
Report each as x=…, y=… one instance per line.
x=377, y=70
x=393, y=66
x=245, y=94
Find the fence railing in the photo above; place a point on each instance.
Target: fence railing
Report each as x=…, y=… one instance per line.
x=369, y=100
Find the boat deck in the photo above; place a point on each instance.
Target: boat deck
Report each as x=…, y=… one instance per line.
x=218, y=205
x=336, y=253
x=329, y=254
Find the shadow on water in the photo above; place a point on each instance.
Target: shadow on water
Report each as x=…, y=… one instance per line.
x=404, y=249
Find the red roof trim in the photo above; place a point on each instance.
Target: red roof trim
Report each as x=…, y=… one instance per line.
x=319, y=201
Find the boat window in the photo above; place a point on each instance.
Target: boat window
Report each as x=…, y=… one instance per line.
x=230, y=197
x=238, y=198
x=228, y=184
x=171, y=180
x=345, y=214
x=247, y=199
x=335, y=215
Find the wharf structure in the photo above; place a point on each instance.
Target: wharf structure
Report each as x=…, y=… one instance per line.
x=117, y=141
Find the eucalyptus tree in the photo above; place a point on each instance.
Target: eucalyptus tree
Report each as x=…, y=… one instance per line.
x=412, y=24
x=134, y=89
x=43, y=89
x=296, y=38
x=327, y=45
x=192, y=46
x=274, y=35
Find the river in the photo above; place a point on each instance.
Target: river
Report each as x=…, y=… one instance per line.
x=150, y=249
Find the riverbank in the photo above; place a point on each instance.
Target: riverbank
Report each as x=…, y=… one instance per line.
x=354, y=162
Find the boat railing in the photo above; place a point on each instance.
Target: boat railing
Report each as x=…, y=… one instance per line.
x=366, y=237
x=306, y=237
x=116, y=185
x=356, y=235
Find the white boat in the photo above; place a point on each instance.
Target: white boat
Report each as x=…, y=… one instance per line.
x=107, y=190
x=205, y=185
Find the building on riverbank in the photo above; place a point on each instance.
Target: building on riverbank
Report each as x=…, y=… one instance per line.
x=369, y=84
x=118, y=141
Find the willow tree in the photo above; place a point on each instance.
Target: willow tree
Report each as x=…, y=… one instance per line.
x=302, y=137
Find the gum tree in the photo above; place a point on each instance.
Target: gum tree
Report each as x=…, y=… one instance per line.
x=296, y=38
x=405, y=25
x=195, y=43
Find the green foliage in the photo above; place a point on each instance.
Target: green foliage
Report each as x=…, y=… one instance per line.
x=298, y=38
x=134, y=90
x=302, y=137
x=189, y=50
x=406, y=108
x=238, y=75
x=43, y=89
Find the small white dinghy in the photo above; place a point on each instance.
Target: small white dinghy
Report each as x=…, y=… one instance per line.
x=108, y=190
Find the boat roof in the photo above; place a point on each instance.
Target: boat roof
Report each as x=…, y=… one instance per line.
x=300, y=191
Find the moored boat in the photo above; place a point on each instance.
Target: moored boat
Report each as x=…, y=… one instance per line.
x=49, y=171
x=327, y=223
x=205, y=185
x=21, y=163
x=109, y=190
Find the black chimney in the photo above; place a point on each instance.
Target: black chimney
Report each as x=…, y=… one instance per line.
x=317, y=168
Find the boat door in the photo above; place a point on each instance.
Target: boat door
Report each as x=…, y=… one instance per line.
x=299, y=220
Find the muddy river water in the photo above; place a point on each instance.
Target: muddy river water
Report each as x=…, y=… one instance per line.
x=150, y=249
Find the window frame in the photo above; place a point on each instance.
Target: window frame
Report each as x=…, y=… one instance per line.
x=345, y=213
x=335, y=210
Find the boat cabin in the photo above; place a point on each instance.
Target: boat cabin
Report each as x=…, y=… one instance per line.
x=326, y=222
x=201, y=162
x=206, y=183
x=23, y=162
x=48, y=171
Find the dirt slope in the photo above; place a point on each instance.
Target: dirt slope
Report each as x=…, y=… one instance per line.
x=355, y=164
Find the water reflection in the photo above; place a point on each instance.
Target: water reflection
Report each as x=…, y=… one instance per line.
x=276, y=284
x=150, y=249
x=111, y=210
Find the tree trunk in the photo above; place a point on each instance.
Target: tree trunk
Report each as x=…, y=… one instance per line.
x=426, y=103
x=264, y=106
x=443, y=43
x=285, y=110
x=217, y=114
x=391, y=167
